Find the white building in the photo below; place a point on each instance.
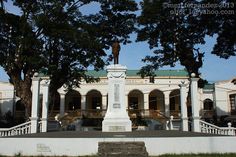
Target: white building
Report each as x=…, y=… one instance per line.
x=6, y=97
x=157, y=99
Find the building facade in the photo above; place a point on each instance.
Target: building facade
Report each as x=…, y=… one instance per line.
x=157, y=97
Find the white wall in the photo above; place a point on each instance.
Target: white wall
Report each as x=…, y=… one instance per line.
x=89, y=146
x=222, y=91
x=6, y=99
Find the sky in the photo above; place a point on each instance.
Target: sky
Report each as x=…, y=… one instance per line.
x=214, y=68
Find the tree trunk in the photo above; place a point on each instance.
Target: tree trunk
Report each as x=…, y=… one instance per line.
x=23, y=90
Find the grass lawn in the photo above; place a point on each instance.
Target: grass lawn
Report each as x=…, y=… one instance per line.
x=167, y=155
x=199, y=155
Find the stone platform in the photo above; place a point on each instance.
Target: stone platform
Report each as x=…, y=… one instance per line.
x=73, y=143
x=100, y=134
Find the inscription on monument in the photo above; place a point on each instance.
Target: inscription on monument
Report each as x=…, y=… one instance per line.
x=116, y=92
x=116, y=105
x=116, y=128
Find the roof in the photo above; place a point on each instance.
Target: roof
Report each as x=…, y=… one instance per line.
x=209, y=86
x=103, y=73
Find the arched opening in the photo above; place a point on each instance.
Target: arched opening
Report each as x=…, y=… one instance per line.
x=156, y=100
x=208, y=110
x=135, y=100
x=207, y=104
x=72, y=100
x=175, y=107
x=94, y=100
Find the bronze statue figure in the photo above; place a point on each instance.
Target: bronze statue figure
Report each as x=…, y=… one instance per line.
x=115, y=51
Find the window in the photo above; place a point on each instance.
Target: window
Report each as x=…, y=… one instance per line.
x=232, y=99
x=208, y=104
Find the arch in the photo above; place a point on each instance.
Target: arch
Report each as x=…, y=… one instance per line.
x=157, y=100
x=135, y=99
x=207, y=104
x=94, y=99
x=175, y=106
x=72, y=100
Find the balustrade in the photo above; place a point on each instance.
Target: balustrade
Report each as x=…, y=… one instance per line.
x=16, y=130
x=213, y=129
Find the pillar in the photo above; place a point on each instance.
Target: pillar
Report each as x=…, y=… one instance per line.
x=45, y=106
x=104, y=102
x=62, y=104
x=146, y=101
x=83, y=102
x=167, y=103
x=195, y=103
x=127, y=101
x=35, y=103
x=183, y=100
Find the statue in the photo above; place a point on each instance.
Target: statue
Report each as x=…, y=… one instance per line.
x=115, y=51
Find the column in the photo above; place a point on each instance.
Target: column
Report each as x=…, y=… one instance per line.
x=104, y=102
x=62, y=104
x=167, y=103
x=35, y=103
x=183, y=100
x=45, y=106
x=195, y=103
x=83, y=102
x=146, y=101
x=127, y=101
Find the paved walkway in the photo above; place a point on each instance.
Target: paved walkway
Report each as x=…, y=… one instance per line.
x=99, y=134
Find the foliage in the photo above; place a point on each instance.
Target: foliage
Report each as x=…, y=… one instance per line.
x=56, y=37
x=175, y=33
x=223, y=25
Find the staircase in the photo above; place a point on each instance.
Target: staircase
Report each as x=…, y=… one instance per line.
x=122, y=149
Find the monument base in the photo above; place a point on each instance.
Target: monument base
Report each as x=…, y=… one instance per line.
x=116, y=125
x=116, y=118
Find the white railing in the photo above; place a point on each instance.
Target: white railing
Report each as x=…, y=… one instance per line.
x=213, y=129
x=16, y=130
x=172, y=124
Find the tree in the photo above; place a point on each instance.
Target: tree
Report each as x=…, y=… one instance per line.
x=221, y=23
x=175, y=29
x=55, y=36
x=19, y=53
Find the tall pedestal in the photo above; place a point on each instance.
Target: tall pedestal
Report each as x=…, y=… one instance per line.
x=195, y=104
x=183, y=99
x=116, y=118
x=35, y=104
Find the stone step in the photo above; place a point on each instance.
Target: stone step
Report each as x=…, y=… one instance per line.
x=122, y=149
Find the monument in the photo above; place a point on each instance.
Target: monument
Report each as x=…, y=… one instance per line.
x=116, y=118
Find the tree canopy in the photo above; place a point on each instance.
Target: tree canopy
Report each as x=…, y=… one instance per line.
x=175, y=29
x=57, y=37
